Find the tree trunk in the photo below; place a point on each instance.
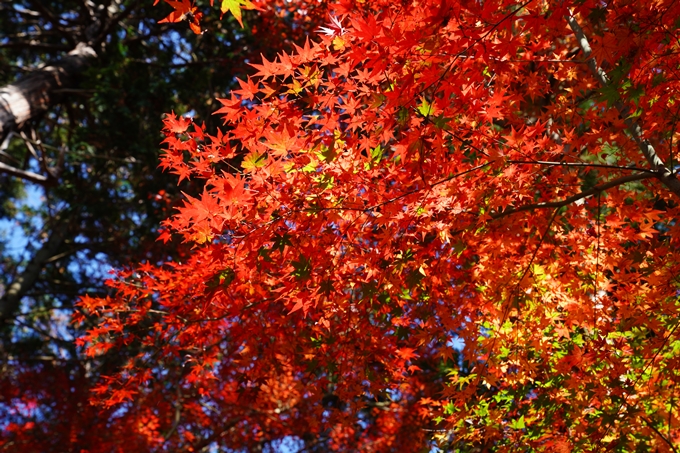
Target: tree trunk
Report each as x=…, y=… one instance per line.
x=36, y=93
x=10, y=301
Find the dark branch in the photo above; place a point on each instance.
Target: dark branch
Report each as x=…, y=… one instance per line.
x=663, y=173
x=113, y=22
x=574, y=198
x=578, y=164
x=47, y=14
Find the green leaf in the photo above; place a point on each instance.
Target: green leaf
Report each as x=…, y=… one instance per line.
x=376, y=154
x=223, y=278
x=303, y=267
x=635, y=114
x=402, y=116
x=264, y=253
x=328, y=153
x=326, y=182
x=253, y=160
x=518, y=424
x=635, y=93
x=234, y=7
x=280, y=242
x=425, y=108
x=459, y=247
x=441, y=122
x=589, y=180
x=610, y=94
x=310, y=167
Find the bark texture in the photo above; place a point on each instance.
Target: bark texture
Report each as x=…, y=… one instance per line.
x=35, y=94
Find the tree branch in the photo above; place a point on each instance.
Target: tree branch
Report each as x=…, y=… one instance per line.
x=10, y=302
x=23, y=174
x=441, y=181
x=663, y=173
x=577, y=164
x=21, y=10
x=42, y=159
x=88, y=9
x=113, y=21
x=47, y=14
x=576, y=197
x=658, y=433
x=32, y=95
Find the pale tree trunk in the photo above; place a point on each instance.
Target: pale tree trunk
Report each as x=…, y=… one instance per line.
x=34, y=95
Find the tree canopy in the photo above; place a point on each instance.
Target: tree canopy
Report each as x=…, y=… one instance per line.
x=431, y=224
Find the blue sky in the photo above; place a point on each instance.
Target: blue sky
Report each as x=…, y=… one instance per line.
x=10, y=229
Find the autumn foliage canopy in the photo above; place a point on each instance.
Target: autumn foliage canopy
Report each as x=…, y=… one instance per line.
x=439, y=223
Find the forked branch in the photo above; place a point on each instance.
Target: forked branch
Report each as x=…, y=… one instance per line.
x=661, y=171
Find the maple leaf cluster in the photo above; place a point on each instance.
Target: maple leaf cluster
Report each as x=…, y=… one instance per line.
x=453, y=217
x=186, y=10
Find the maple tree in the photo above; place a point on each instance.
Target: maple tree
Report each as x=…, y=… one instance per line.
x=449, y=222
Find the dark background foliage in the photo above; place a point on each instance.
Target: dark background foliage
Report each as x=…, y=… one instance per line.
x=80, y=191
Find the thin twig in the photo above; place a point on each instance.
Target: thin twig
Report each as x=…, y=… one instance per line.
x=578, y=164
x=666, y=440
